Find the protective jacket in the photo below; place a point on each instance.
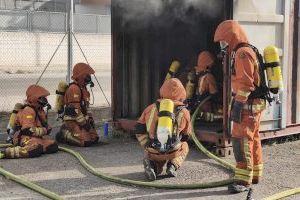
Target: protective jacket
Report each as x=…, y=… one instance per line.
x=31, y=138
x=79, y=127
x=172, y=89
x=245, y=76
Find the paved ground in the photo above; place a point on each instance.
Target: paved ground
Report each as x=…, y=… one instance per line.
x=122, y=157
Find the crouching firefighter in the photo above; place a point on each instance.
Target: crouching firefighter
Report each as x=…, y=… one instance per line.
x=30, y=128
x=79, y=127
x=207, y=86
x=250, y=93
x=163, y=131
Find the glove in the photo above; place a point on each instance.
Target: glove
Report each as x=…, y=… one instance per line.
x=236, y=112
x=91, y=122
x=155, y=144
x=184, y=137
x=86, y=126
x=26, y=131
x=70, y=111
x=173, y=142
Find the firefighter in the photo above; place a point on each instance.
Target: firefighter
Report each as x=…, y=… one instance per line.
x=31, y=137
x=207, y=86
x=245, y=110
x=78, y=128
x=161, y=148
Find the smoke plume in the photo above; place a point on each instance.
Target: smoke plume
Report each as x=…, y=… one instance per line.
x=163, y=12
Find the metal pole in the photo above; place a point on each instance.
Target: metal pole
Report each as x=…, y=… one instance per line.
x=70, y=41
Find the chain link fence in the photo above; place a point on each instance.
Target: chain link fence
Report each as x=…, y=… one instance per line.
x=28, y=40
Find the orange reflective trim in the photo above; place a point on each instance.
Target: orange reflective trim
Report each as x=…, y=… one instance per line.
x=150, y=120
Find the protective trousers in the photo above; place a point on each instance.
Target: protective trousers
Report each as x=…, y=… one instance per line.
x=176, y=158
x=247, y=148
x=30, y=147
x=73, y=134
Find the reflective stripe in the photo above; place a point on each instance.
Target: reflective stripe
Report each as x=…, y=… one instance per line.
x=70, y=138
x=201, y=84
x=258, y=170
x=12, y=152
x=247, y=154
x=243, y=93
x=243, y=175
x=242, y=178
x=143, y=139
x=17, y=151
x=179, y=120
x=80, y=118
x=255, y=107
x=150, y=120
x=244, y=172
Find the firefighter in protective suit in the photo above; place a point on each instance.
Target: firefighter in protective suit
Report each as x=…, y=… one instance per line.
x=78, y=128
x=245, y=110
x=146, y=132
x=31, y=137
x=207, y=85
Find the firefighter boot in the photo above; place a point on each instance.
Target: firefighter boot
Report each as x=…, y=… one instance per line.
x=171, y=170
x=237, y=188
x=149, y=167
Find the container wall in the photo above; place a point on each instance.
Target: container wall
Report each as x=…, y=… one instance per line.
x=145, y=45
x=267, y=23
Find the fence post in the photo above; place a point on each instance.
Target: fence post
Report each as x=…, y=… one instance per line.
x=70, y=40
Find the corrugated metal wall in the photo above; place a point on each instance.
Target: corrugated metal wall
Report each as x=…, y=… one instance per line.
x=142, y=54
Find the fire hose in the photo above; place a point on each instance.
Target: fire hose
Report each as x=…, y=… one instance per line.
x=129, y=182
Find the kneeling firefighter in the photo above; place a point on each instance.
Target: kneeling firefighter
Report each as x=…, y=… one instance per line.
x=207, y=86
x=78, y=128
x=163, y=131
x=29, y=127
x=249, y=100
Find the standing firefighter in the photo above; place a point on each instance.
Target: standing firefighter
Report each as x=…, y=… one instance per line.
x=31, y=128
x=163, y=131
x=247, y=104
x=78, y=128
x=207, y=85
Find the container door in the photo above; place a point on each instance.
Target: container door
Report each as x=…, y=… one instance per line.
x=267, y=23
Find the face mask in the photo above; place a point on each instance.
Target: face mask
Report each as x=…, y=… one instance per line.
x=88, y=80
x=43, y=102
x=223, y=45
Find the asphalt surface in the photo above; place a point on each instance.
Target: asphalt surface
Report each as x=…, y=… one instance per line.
x=13, y=87
x=122, y=157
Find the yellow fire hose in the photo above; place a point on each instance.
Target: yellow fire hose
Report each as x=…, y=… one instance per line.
x=118, y=180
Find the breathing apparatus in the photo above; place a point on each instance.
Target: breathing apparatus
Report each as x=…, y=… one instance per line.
x=59, y=101
x=43, y=102
x=273, y=71
x=88, y=81
x=172, y=70
x=165, y=137
x=190, y=85
x=11, y=126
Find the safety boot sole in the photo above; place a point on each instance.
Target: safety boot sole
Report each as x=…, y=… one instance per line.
x=149, y=170
x=235, y=188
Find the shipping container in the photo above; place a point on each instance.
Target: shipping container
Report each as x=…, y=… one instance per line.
x=146, y=38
